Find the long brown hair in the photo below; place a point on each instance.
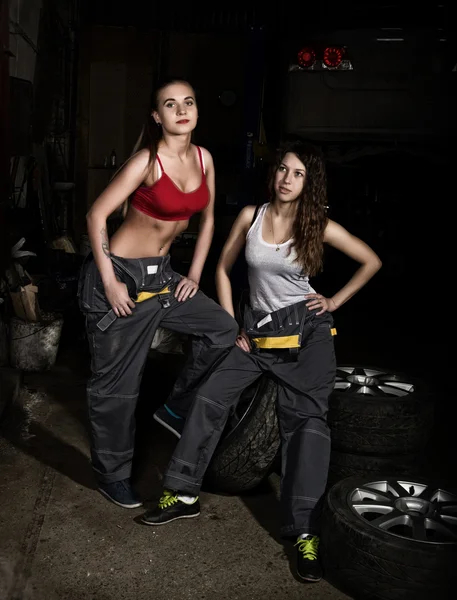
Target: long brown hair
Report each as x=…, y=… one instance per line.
x=151, y=133
x=311, y=215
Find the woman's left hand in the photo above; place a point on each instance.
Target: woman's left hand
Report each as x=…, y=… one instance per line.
x=321, y=303
x=186, y=288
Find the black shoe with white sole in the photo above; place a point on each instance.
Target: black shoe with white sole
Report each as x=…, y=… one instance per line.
x=170, y=508
x=121, y=493
x=308, y=564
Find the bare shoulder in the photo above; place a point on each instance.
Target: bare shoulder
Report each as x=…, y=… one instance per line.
x=331, y=225
x=333, y=229
x=139, y=161
x=242, y=223
x=248, y=212
x=246, y=215
x=133, y=171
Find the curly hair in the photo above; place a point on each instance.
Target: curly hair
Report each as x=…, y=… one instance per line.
x=311, y=216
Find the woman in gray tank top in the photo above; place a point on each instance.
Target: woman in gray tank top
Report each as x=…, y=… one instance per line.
x=288, y=333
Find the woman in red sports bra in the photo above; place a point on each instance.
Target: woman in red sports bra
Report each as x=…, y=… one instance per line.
x=128, y=288
x=169, y=179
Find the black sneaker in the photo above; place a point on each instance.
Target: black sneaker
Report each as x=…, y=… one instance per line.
x=121, y=493
x=169, y=509
x=308, y=564
x=170, y=420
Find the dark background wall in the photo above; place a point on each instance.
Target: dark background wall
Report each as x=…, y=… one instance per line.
x=81, y=79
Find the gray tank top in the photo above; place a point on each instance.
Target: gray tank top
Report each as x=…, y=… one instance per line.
x=275, y=279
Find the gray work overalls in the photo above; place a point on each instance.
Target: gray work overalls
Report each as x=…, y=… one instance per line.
x=119, y=348
x=296, y=347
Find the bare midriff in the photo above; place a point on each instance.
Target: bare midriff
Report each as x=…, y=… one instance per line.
x=142, y=236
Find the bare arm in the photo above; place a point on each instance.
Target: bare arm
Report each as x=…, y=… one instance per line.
x=229, y=254
x=128, y=179
x=206, y=230
x=337, y=236
x=188, y=286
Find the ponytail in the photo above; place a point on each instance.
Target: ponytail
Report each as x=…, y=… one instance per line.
x=149, y=138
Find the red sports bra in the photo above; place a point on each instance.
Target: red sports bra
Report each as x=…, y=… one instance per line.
x=165, y=201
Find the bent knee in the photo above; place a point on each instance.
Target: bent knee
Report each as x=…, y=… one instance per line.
x=229, y=329
x=223, y=331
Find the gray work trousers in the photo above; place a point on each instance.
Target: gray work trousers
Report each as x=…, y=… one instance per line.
x=305, y=382
x=119, y=348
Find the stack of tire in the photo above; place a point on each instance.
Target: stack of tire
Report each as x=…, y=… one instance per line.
x=388, y=532
x=380, y=422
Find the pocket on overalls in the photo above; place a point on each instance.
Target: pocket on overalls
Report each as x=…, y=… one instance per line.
x=260, y=322
x=101, y=303
x=279, y=330
x=162, y=284
x=320, y=328
x=125, y=276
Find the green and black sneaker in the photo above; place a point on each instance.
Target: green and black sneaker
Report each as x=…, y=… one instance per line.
x=308, y=564
x=172, y=506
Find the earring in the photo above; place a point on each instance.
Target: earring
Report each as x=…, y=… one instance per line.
x=158, y=124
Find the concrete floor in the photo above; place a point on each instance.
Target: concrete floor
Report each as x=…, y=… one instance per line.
x=61, y=540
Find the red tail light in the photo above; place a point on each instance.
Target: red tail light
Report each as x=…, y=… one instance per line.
x=333, y=56
x=306, y=58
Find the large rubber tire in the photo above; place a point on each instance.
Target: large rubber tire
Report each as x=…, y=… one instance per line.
x=344, y=465
x=250, y=443
x=379, y=412
x=369, y=559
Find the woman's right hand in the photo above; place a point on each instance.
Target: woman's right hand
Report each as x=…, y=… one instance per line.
x=243, y=342
x=118, y=296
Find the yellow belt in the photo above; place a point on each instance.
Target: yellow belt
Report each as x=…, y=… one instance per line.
x=286, y=341
x=142, y=296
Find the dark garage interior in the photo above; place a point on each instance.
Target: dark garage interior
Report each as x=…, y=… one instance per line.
x=75, y=85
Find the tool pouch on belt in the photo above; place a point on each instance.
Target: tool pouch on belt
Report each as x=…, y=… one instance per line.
x=283, y=329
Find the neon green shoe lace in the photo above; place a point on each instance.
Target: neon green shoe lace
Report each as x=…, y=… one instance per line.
x=168, y=499
x=308, y=547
